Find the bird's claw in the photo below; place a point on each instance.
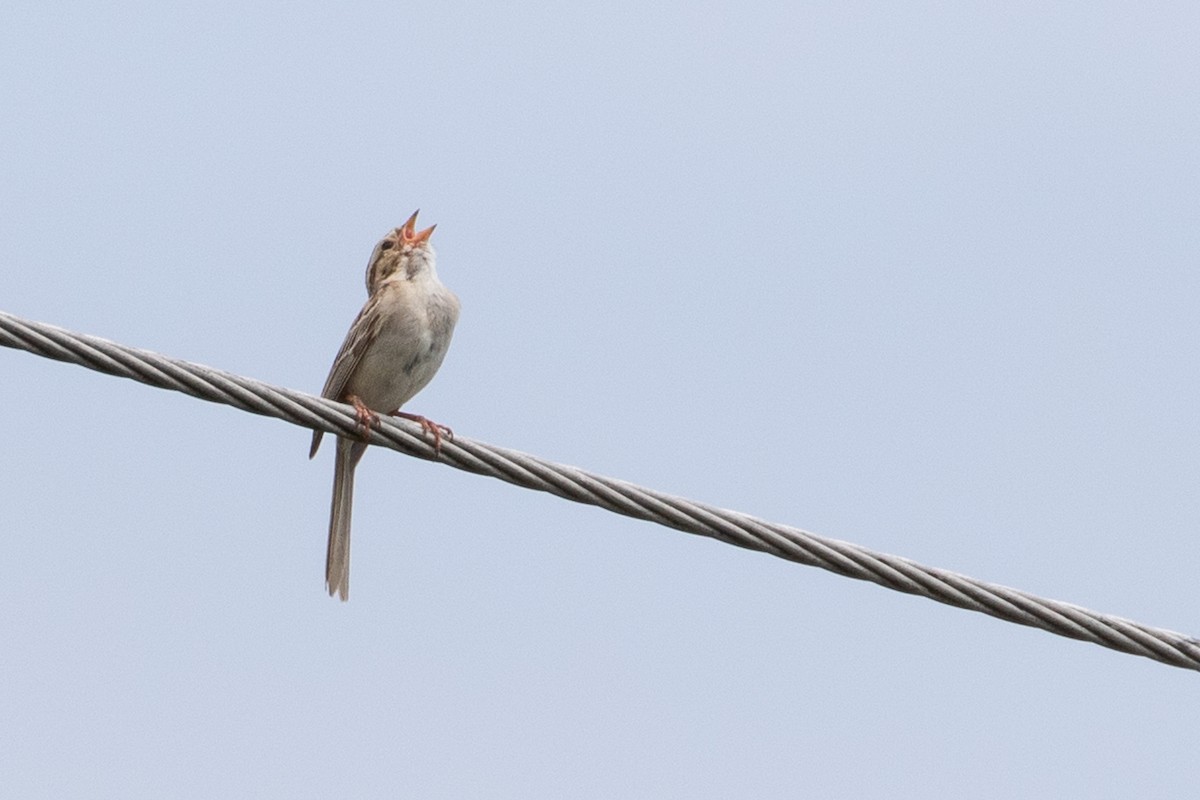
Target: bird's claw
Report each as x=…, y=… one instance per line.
x=366, y=417
x=428, y=426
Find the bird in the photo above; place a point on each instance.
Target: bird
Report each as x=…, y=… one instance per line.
x=393, y=349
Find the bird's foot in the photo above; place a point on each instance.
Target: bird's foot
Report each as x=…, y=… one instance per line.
x=366, y=417
x=428, y=426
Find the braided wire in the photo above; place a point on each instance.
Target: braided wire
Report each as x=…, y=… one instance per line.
x=611, y=494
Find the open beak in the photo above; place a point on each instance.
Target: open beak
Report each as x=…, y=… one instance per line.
x=409, y=232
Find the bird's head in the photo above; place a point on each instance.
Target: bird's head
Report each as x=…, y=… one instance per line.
x=405, y=251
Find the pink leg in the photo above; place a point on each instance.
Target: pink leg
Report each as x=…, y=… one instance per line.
x=428, y=426
x=366, y=417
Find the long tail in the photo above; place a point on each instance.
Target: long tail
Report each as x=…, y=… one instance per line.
x=337, y=555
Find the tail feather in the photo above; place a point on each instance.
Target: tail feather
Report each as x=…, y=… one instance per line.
x=337, y=554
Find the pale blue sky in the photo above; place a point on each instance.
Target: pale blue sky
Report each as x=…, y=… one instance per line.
x=918, y=276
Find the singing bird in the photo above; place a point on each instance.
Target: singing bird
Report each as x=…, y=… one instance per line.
x=393, y=349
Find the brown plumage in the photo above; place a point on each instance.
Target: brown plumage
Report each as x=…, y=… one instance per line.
x=393, y=349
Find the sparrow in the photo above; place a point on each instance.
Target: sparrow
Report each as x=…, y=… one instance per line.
x=393, y=349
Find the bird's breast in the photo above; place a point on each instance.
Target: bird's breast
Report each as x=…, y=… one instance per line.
x=412, y=341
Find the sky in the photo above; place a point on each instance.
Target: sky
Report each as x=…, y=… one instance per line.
x=919, y=276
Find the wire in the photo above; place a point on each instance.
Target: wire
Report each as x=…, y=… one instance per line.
x=614, y=495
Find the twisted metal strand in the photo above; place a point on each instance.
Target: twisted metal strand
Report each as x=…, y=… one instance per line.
x=614, y=495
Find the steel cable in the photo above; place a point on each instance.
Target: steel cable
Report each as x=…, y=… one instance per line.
x=614, y=495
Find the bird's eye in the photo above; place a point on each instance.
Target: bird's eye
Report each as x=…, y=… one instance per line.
x=386, y=244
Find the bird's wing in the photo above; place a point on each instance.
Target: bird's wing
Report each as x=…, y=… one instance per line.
x=363, y=331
